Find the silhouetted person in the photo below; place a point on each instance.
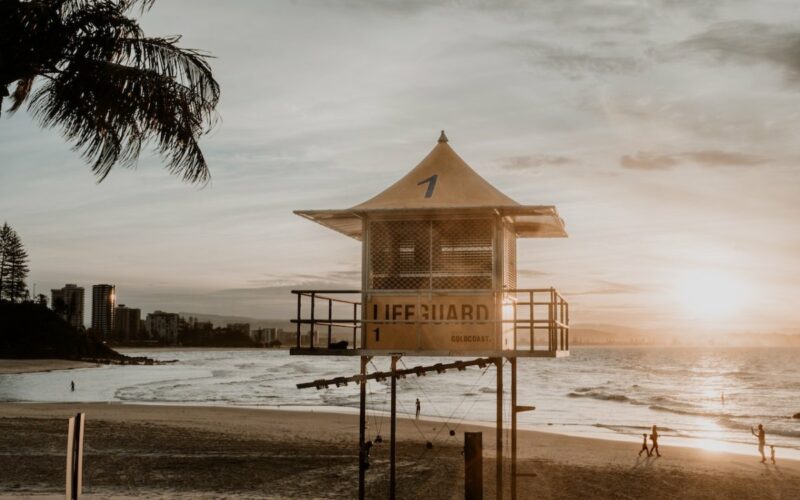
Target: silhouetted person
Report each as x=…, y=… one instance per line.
x=644, y=446
x=72, y=385
x=762, y=441
x=654, y=439
x=367, y=448
x=418, y=407
x=772, y=453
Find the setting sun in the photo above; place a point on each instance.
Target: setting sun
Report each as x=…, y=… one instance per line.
x=710, y=294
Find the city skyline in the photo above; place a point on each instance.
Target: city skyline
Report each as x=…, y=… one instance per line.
x=668, y=191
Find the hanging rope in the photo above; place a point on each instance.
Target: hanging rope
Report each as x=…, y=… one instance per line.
x=377, y=421
x=447, y=420
x=438, y=449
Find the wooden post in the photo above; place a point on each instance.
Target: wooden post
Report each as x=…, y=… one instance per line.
x=393, y=443
x=75, y=457
x=473, y=466
x=362, y=424
x=499, y=472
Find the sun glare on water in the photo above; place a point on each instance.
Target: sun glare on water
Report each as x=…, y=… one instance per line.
x=710, y=295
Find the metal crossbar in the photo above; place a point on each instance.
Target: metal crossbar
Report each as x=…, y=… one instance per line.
x=419, y=371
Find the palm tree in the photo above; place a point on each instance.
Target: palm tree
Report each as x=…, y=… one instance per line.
x=86, y=67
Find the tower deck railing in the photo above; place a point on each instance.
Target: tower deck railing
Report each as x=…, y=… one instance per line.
x=534, y=320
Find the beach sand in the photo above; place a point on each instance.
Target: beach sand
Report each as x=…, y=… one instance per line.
x=144, y=451
x=10, y=366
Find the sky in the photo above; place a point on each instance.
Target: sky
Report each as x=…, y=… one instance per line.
x=663, y=131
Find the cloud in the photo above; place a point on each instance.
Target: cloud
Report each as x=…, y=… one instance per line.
x=648, y=160
x=724, y=159
x=535, y=161
x=575, y=63
x=611, y=288
x=530, y=273
x=747, y=42
x=644, y=160
x=331, y=278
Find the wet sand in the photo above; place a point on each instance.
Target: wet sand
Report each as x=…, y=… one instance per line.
x=141, y=451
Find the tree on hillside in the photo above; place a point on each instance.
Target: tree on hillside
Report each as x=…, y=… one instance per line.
x=14, y=268
x=5, y=237
x=88, y=68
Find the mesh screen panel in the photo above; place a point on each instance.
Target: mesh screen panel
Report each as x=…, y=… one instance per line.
x=462, y=254
x=400, y=254
x=454, y=254
x=509, y=258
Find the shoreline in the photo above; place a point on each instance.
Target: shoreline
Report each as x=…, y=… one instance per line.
x=20, y=366
x=160, y=450
x=589, y=431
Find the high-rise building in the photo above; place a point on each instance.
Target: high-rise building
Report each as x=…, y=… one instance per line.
x=126, y=323
x=264, y=335
x=163, y=326
x=67, y=302
x=240, y=328
x=103, y=301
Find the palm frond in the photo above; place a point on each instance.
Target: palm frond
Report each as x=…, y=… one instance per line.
x=109, y=110
x=69, y=7
x=111, y=90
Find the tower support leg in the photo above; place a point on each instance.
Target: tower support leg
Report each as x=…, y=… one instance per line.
x=499, y=473
x=513, y=362
x=393, y=444
x=362, y=430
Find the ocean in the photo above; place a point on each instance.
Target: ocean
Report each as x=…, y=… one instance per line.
x=604, y=392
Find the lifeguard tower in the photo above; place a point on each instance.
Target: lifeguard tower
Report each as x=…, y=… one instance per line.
x=439, y=278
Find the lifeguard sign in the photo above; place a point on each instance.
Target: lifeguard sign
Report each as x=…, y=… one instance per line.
x=439, y=272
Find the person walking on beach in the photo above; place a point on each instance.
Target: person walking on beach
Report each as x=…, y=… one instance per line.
x=772, y=453
x=654, y=439
x=418, y=407
x=762, y=441
x=644, y=446
x=72, y=385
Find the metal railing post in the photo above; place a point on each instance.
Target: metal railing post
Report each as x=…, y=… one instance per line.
x=311, y=332
x=531, y=318
x=355, y=324
x=330, y=320
x=567, y=323
x=299, y=304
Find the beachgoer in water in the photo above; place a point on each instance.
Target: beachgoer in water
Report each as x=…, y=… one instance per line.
x=644, y=446
x=72, y=385
x=762, y=441
x=418, y=407
x=654, y=439
x=772, y=453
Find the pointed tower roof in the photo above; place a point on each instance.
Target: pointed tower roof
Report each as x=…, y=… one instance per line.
x=441, y=180
x=443, y=183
